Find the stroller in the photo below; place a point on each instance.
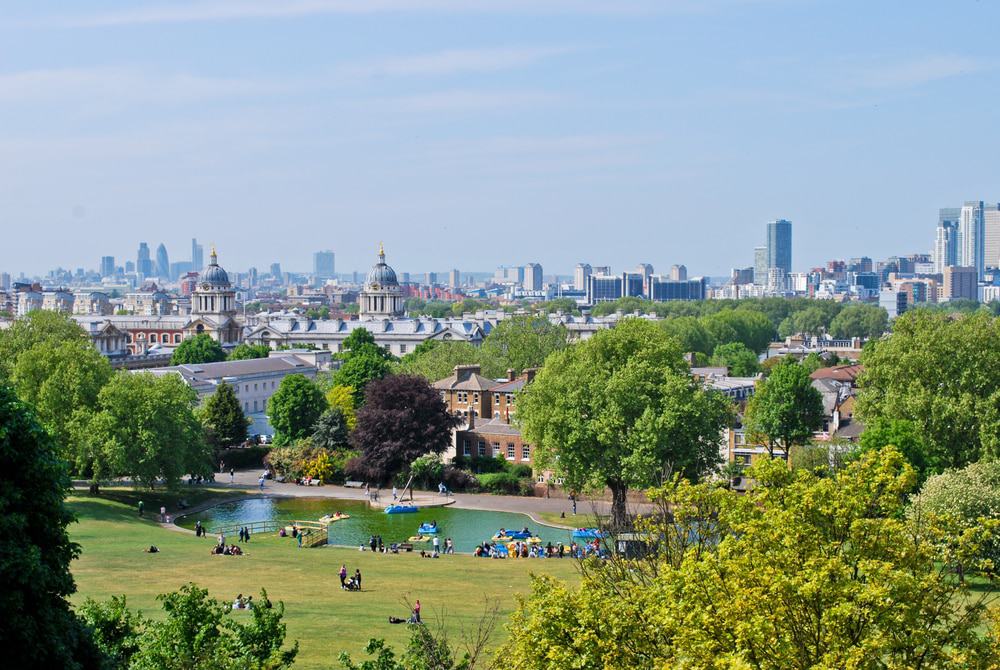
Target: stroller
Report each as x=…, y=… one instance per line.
x=352, y=584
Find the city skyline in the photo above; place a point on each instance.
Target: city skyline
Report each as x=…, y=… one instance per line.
x=491, y=128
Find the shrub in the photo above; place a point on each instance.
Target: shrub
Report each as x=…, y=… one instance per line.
x=481, y=464
x=501, y=483
x=243, y=458
x=427, y=470
x=459, y=480
x=306, y=460
x=520, y=470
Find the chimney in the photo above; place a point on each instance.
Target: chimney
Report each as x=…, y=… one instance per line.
x=510, y=374
x=465, y=372
x=472, y=417
x=529, y=374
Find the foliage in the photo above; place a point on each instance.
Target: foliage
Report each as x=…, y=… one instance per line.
x=940, y=373
x=564, y=305
x=39, y=630
x=244, y=351
x=342, y=398
x=751, y=328
x=785, y=410
x=307, y=460
x=145, y=428
x=223, y=418
x=519, y=343
x=61, y=381
x=906, y=437
x=403, y=418
x=741, y=361
x=860, y=320
x=619, y=410
x=331, y=431
x=691, y=333
x=242, y=458
x=427, y=470
x=502, y=483
x=198, y=349
x=319, y=467
x=115, y=628
x=35, y=328
x=362, y=362
x=438, y=361
x=799, y=572
x=294, y=408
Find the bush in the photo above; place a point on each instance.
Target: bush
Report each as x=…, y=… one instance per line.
x=427, y=471
x=501, y=483
x=521, y=470
x=481, y=464
x=306, y=460
x=243, y=458
x=459, y=480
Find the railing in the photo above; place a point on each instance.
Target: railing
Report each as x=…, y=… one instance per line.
x=254, y=527
x=318, y=533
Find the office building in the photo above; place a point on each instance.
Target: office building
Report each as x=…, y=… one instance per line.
x=603, y=288
x=323, y=264
x=945, y=246
x=960, y=283
x=970, y=236
x=454, y=278
x=860, y=264
x=581, y=276
x=107, y=266
x=679, y=273
x=197, y=256
x=276, y=270
x=662, y=290
x=432, y=278
x=779, y=245
x=143, y=263
x=740, y=276
x=601, y=270
x=532, y=277
x=162, y=262
x=633, y=284
x=760, y=266
x=991, y=236
x=4, y=281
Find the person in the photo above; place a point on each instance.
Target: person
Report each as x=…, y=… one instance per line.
x=572, y=498
x=343, y=575
x=261, y=482
x=372, y=543
x=222, y=467
x=246, y=533
x=238, y=602
x=295, y=530
x=436, y=544
x=232, y=475
x=357, y=578
x=222, y=539
x=140, y=508
x=416, y=611
x=282, y=532
x=249, y=602
x=198, y=530
x=163, y=513
x=152, y=549
x=562, y=550
x=395, y=493
x=241, y=534
x=449, y=546
x=381, y=545
x=441, y=488
x=300, y=540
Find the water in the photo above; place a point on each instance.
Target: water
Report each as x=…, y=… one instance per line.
x=465, y=527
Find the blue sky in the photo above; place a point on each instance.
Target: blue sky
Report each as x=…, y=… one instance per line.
x=476, y=133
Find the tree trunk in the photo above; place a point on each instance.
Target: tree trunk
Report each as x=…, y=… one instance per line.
x=619, y=513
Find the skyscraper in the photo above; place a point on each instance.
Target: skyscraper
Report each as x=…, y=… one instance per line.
x=276, y=270
x=532, y=277
x=107, y=266
x=454, y=278
x=779, y=245
x=581, y=276
x=143, y=263
x=679, y=273
x=944, y=246
x=162, y=262
x=323, y=265
x=991, y=236
x=760, y=265
x=197, y=256
x=970, y=236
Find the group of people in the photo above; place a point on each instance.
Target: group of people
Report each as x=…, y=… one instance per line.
x=376, y=545
x=519, y=549
x=226, y=550
x=244, y=534
x=241, y=603
x=352, y=583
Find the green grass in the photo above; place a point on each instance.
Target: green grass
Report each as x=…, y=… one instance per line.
x=580, y=520
x=324, y=619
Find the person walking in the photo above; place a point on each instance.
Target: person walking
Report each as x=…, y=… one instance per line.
x=416, y=611
x=372, y=543
x=241, y=534
x=381, y=545
x=140, y=508
x=246, y=533
x=572, y=497
x=436, y=543
x=395, y=494
x=232, y=475
x=343, y=576
x=197, y=528
x=300, y=540
x=357, y=578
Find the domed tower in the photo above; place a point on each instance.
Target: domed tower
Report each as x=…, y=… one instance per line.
x=215, y=295
x=381, y=295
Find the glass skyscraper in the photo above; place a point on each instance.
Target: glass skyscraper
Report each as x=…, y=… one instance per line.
x=779, y=245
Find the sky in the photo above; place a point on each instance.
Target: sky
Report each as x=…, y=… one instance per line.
x=479, y=133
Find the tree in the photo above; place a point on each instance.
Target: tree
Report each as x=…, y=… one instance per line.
x=690, y=332
x=40, y=630
x=619, y=410
x=360, y=369
x=198, y=349
x=294, y=408
x=519, y=343
x=145, y=428
x=342, y=398
x=860, y=320
x=741, y=361
x=244, y=351
x=331, y=431
x=785, y=410
x=223, y=418
x=37, y=327
x=361, y=339
x=941, y=373
x=61, y=380
x=403, y=418
x=115, y=628
x=751, y=328
x=437, y=362
x=798, y=572
x=906, y=437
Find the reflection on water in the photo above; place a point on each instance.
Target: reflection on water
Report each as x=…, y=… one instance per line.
x=466, y=528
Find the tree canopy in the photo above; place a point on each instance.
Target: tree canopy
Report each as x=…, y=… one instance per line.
x=619, y=410
x=785, y=410
x=223, y=418
x=331, y=431
x=198, y=349
x=519, y=343
x=37, y=327
x=437, y=361
x=741, y=361
x=342, y=398
x=244, y=351
x=294, y=408
x=363, y=361
x=860, y=320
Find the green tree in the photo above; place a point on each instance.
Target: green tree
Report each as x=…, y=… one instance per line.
x=906, y=437
x=859, y=320
x=519, y=343
x=331, y=431
x=39, y=630
x=246, y=351
x=741, y=361
x=437, y=362
x=360, y=369
x=198, y=349
x=145, y=428
x=940, y=373
x=223, y=418
x=342, y=398
x=294, y=408
x=61, y=380
x=691, y=333
x=37, y=327
x=785, y=410
x=115, y=628
x=751, y=328
x=619, y=411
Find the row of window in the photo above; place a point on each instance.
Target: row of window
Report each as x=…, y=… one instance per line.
x=511, y=450
x=256, y=386
x=509, y=397
x=154, y=337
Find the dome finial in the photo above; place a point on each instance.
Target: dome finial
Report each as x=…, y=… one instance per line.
x=381, y=251
x=214, y=257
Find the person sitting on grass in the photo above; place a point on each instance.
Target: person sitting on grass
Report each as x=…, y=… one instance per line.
x=152, y=549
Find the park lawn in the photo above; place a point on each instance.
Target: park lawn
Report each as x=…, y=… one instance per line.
x=324, y=619
x=572, y=521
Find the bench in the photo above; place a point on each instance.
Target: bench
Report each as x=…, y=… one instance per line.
x=354, y=485
x=405, y=546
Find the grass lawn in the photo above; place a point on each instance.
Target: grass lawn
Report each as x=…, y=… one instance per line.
x=324, y=619
x=581, y=520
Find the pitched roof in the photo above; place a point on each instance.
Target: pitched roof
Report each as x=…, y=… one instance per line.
x=466, y=378
x=846, y=374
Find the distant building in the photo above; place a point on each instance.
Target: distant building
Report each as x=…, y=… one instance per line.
x=323, y=265
x=107, y=266
x=162, y=262
x=960, y=283
x=633, y=284
x=779, y=245
x=662, y=290
x=532, y=277
x=432, y=278
x=197, y=256
x=741, y=276
x=276, y=270
x=603, y=288
x=581, y=276
x=991, y=236
x=381, y=296
x=971, y=236
x=4, y=281
x=679, y=273
x=454, y=278
x=143, y=263
x=760, y=266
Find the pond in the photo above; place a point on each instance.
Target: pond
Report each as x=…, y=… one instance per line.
x=465, y=527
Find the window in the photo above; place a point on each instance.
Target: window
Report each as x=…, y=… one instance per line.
x=466, y=447
x=272, y=385
x=141, y=336
x=177, y=338
x=463, y=397
x=255, y=386
x=482, y=448
x=402, y=348
x=255, y=405
x=246, y=405
x=246, y=388
x=496, y=398
x=509, y=398
x=525, y=453
x=475, y=397
x=152, y=337
x=511, y=455
x=496, y=449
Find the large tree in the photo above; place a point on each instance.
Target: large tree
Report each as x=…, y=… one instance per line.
x=38, y=327
x=439, y=360
x=223, y=418
x=331, y=431
x=785, y=409
x=294, y=408
x=362, y=362
x=403, y=418
x=801, y=571
x=61, y=380
x=246, y=351
x=198, y=349
x=740, y=361
x=342, y=398
x=942, y=374
x=39, y=630
x=860, y=320
x=521, y=342
x=146, y=429
x=620, y=411
x=691, y=333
